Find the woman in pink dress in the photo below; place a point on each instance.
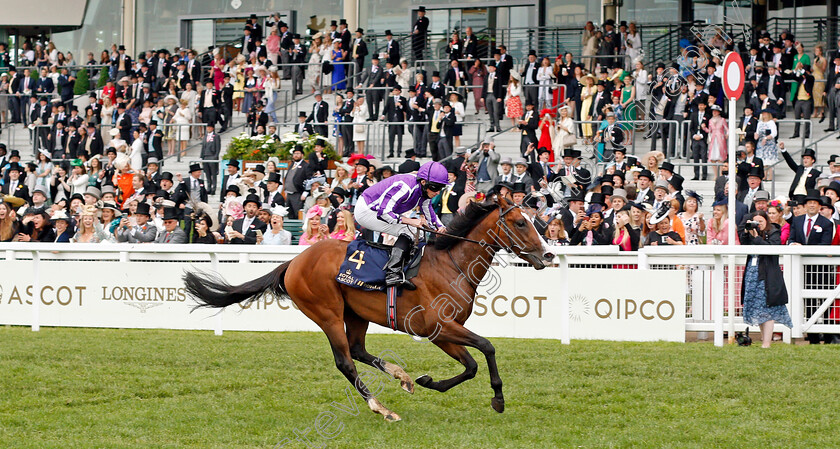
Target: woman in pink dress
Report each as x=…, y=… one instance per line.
x=218, y=65
x=344, y=227
x=717, y=138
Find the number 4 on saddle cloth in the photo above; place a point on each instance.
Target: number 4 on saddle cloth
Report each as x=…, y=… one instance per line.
x=363, y=265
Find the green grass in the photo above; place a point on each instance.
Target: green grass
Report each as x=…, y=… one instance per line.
x=85, y=388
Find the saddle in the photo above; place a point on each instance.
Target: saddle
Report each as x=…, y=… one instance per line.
x=364, y=262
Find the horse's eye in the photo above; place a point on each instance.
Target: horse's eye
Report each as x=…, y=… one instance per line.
x=520, y=223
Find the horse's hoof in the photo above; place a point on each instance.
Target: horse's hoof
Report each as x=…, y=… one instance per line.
x=498, y=404
x=424, y=380
x=392, y=417
x=407, y=385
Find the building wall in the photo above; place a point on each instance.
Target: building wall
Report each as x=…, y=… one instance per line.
x=102, y=27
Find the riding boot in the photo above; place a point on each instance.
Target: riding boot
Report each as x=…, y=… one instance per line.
x=394, y=267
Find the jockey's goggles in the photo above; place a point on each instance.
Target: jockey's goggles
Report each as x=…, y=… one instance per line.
x=435, y=187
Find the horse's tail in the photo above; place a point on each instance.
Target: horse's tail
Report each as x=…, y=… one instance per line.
x=211, y=290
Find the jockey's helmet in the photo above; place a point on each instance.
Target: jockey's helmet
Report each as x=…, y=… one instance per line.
x=435, y=174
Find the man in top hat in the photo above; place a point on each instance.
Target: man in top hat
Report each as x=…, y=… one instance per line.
x=530, y=84
x=666, y=170
x=806, y=175
x=246, y=229
x=256, y=28
x=121, y=63
x=602, y=98
x=493, y=93
x=209, y=104
x=699, y=131
x=832, y=92
x=193, y=186
x=14, y=186
x=832, y=173
x=747, y=125
x=528, y=129
x=392, y=47
x=747, y=161
x=410, y=165
x=298, y=55
x=419, y=33
x=435, y=126
x=57, y=142
x=395, y=110
x=359, y=50
x=540, y=170
x=271, y=194
x=171, y=232
x=437, y=88
x=802, y=97
x=772, y=84
x=303, y=128
x=487, y=174
x=258, y=118
x=320, y=114
x=370, y=81
x=231, y=177
x=644, y=184
x=811, y=228
x=675, y=187
x=455, y=77
x=137, y=228
x=285, y=45
x=333, y=32
x=660, y=193
x=211, y=148
x=297, y=173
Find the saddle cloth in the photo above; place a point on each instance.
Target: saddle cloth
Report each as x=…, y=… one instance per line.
x=364, y=262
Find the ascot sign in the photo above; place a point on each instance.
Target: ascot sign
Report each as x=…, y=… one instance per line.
x=519, y=302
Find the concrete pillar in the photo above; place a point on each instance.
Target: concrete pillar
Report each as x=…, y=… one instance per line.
x=129, y=8
x=351, y=13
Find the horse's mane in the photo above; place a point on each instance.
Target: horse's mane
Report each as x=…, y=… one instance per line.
x=464, y=222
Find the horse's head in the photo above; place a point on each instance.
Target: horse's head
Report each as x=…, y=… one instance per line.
x=517, y=233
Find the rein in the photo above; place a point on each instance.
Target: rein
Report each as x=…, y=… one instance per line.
x=466, y=239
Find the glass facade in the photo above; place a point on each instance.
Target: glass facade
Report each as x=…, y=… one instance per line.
x=651, y=11
x=102, y=27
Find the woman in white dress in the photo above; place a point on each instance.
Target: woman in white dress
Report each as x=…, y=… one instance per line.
x=326, y=55
x=404, y=76
x=360, y=115
x=565, y=127
x=313, y=70
x=270, y=86
x=183, y=116
x=765, y=135
x=276, y=235
x=633, y=41
x=545, y=75
x=137, y=150
x=642, y=86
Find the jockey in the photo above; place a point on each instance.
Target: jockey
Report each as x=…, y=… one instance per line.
x=381, y=206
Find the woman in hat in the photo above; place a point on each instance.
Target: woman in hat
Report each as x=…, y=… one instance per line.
x=765, y=135
x=360, y=117
x=799, y=58
x=78, y=180
x=478, y=73
x=717, y=229
x=662, y=234
x=718, y=130
x=547, y=132
x=89, y=230
x=313, y=230
x=513, y=104
x=776, y=214
x=191, y=95
x=271, y=84
x=566, y=134
x=342, y=176
x=170, y=107
x=276, y=235
x=545, y=76
x=95, y=172
x=456, y=101
x=313, y=70
x=692, y=219
x=204, y=231
x=628, y=101
x=137, y=149
x=763, y=290
x=338, y=55
x=639, y=221
x=236, y=69
x=62, y=226
x=272, y=45
x=110, y=216
x=555, y=233
x=652, y=160
x=587, y=92
x=818, y=70
x=44, y=168
x=35, y=227
x=183, y=117
x=9, y=223
x=344, y=227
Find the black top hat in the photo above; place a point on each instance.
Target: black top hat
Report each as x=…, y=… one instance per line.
x=303, y=114
x=333, y=23
x=260, y=168
x=532, y=52
x=833, y=158
x=166, y=176
x=497, y=51
x=170, y=213
x=835, y=186
x=409, y=153
x=233, y=163
x=273, y=177
x=757, y=172
x=570, y=152
x=436, y=73
x=607, y=190
x=195, y=166
x=252, y=198
x=826, y=201
x=321, y=141
x=667, y=166
x=388, y=33
x=421, y=9
x=15, y=153
x=143, y=209
x=14, y=166
x=812, y=195
x=646, y=174
x=340, y=192
x=809, y=152
x=296, y=36
x=298, y=147
x=363, y=162
x=360, y=30
x=518, y=187
x=597, y=198
x=121, y=47
x=677, y=181
x=577, y=195
x=542, y=150
x=232, y=188
x=343, y=22
x=253, y=16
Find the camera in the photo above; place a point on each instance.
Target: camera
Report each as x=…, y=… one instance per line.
x=750, y=225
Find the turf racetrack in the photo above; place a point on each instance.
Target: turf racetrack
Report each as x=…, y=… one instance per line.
x=85, y=388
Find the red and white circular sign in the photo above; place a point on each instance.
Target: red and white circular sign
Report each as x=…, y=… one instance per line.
x=733, y=76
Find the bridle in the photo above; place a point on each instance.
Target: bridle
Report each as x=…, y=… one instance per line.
x=497, y=247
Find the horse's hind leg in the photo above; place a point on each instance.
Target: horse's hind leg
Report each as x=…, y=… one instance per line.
x=356, y=331
x=341, y=351
x=458, y=353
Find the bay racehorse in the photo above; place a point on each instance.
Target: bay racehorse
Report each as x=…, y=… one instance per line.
x=436, y=310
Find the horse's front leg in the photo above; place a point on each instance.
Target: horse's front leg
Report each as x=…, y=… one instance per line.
x=458, y=353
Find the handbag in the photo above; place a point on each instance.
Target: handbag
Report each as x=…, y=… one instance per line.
x=359, y=129
x=326, y=67
x=569, y=140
